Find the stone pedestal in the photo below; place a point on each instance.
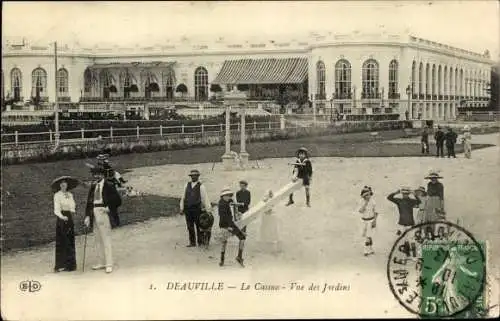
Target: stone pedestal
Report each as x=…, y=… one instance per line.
x=228, y=162
x=244, y=159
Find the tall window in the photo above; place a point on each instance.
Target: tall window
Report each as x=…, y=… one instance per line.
x=427, y=80
x=39, y=82
x=370, y=79
x=439, y=81
x=62, y=82
x=343, y=79
x=87, y=81
x=168, y=80
x=420, y=78
x=433, y=87
x=106, y=82
x=200, y=84
x=457, y=93
x=445, y=81
x=393, y=78
x=451, y=92
x=126, y=83
x=320, y=80
x=16, y=83
x=461, y=85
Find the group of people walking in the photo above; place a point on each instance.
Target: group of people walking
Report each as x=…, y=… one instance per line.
x=101, y=211
x=429, y=203
x=448, y=139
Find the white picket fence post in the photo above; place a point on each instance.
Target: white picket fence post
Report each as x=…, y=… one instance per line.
x=111, y=131
x=161, y=130
x=16, y=137
x=83, y=133
x=138, y=134
x=202, y=128
x=182, y=128
x=254, y=125
x=50, y=135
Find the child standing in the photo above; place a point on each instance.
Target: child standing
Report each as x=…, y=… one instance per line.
x=243, y=197
x=405, y=206
x=422, y=196
x=303, y=170
x=466, y=140
x=229, y=228
x=366, y=208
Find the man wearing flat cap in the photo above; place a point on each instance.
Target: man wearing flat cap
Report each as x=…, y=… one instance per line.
x=194, y=200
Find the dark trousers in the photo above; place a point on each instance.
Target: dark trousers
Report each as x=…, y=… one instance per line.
x=204, y=237
x=193, y=225
x=439, y=149
x=450, y=148
x=65, y=243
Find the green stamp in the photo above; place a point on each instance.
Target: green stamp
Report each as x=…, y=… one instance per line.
x=454, y=279
x=438, y=270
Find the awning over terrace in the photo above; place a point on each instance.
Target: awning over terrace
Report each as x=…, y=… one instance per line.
x=263, y=71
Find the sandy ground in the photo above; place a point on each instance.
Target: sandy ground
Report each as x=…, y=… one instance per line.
x=321, y=245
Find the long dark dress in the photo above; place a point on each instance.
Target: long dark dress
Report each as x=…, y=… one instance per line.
x=434, y=209
x=65, y=243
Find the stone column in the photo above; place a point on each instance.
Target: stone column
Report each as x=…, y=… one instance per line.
x=227, y=159
x=243, y=152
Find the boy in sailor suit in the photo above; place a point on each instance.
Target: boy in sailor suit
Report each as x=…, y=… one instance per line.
x=366, y=207
x=302, y=169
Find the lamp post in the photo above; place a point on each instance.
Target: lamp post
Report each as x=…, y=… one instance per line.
x=56, y=105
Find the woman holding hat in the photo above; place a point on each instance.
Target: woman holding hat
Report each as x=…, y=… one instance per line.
x=64, y=209
x=466, y=140
x=435, y=198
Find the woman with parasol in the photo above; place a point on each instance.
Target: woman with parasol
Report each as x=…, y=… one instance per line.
x=64, y=209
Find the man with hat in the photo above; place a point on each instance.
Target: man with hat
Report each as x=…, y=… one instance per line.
x=102, y=196
x=451, y=139
x=366, y=208
x=194, y=200
x=229, y=228
x=405, y=206
x=303, y=170
x=439, y=137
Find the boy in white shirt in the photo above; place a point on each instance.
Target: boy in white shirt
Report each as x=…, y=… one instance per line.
x=366, y=208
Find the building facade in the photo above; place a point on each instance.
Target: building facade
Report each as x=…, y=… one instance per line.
x=349, y=74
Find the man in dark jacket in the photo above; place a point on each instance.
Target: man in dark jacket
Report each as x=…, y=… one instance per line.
x=243, y=197
x=451, y=139
x=102, y=196
x=193, y=201
x=439, y=137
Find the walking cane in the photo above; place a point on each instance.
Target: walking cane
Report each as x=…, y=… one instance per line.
x=84, y=249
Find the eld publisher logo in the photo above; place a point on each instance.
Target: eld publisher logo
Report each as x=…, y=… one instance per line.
x=30, y=286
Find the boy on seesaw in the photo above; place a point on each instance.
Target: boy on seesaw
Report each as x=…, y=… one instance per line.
x=303, y=170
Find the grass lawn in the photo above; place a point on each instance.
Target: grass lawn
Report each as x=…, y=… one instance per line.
x=27, y=199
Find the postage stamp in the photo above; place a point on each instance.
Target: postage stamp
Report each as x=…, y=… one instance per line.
x=438, y=270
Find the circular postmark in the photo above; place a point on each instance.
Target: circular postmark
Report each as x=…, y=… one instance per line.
x=437, y=269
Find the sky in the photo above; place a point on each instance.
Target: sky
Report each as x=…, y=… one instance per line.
x=471, y=24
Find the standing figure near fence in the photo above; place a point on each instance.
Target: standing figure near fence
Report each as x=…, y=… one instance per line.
x=467, y=141
x=439, y=137
x=451, y=139
x=64, y=209
x=228, y=226
x=366, y=207
x=194, y=200
x=425, y=140
x=435, y=202
x=302, y=170
x=405, y=206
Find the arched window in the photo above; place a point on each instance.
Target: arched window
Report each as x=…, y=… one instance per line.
x=393, y=78
x=126, y=82
x=39, y=83
x=427, y=80
x=343, y=79
x=445, y=81
x=150, y=83
x=62, y=82
x=439, y=81
x=16, y=83
x=320, y=80
x=168, y=80
x=370, y=79
x=433, y=84
x=106, y=82
x=420, y=79
x=200, y=84
x=87, y=81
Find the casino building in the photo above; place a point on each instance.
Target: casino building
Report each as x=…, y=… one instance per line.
x=347, y=73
